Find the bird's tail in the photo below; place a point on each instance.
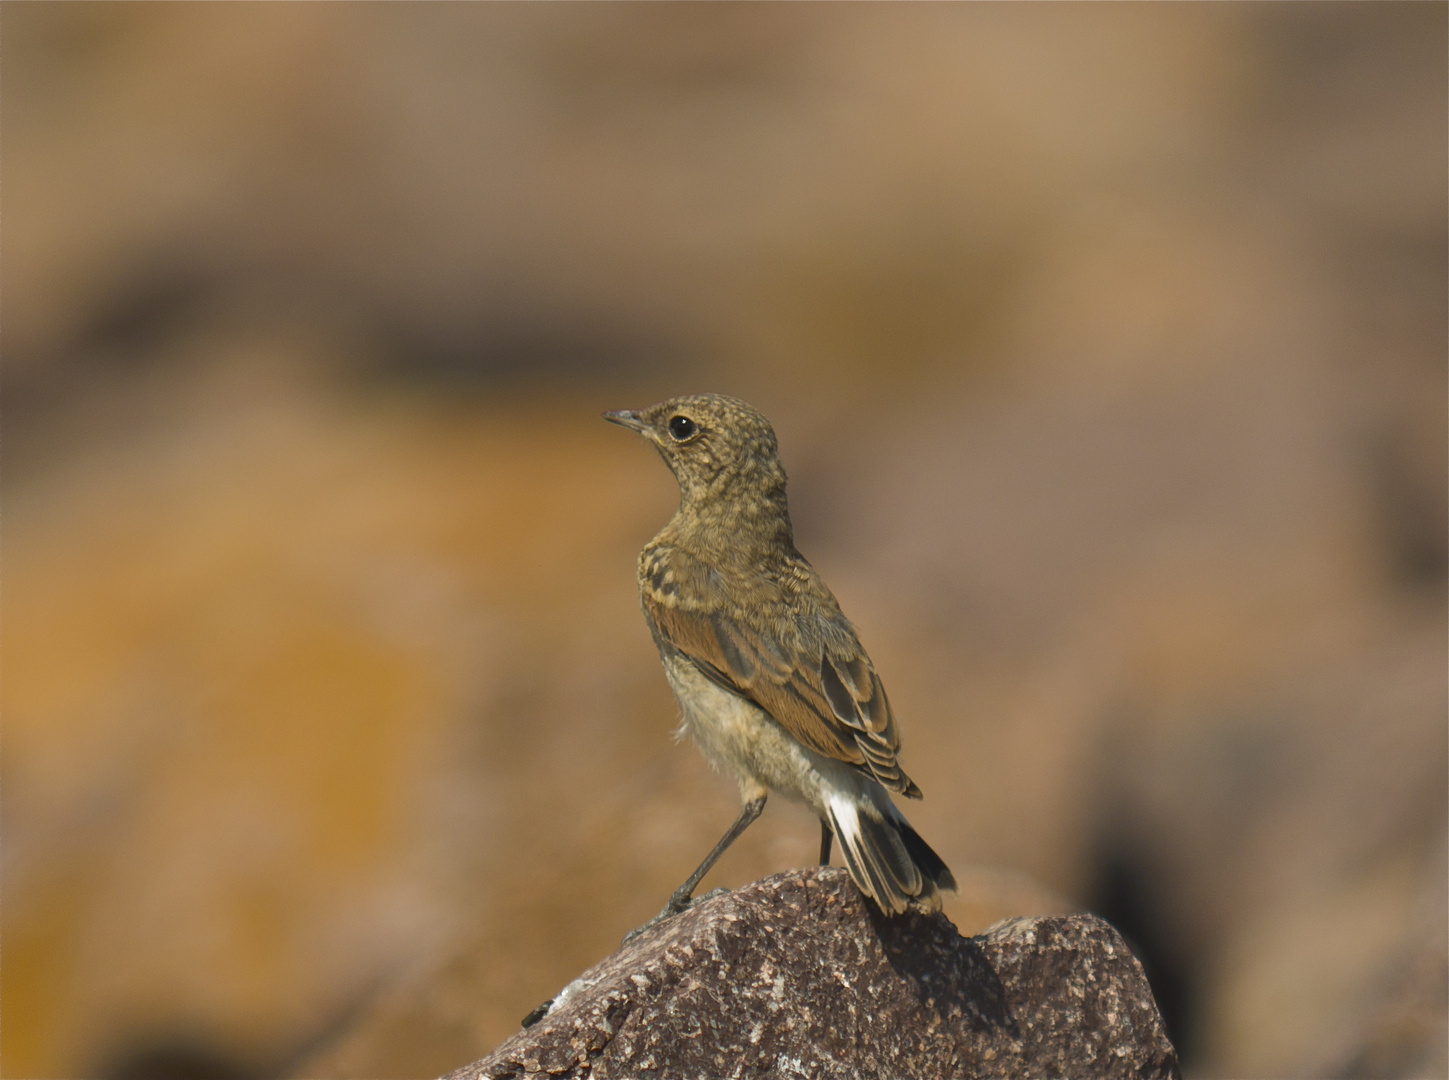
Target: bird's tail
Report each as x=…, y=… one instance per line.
x=887, y=858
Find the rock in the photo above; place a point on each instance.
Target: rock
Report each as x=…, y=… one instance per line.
x=797, y=975
x=459, y=1002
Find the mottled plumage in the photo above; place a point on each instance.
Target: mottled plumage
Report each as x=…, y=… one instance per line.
x=771, y=678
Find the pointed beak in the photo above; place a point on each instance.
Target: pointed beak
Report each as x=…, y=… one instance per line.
x=627, y=418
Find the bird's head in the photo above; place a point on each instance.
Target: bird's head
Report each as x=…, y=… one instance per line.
x=718, y=447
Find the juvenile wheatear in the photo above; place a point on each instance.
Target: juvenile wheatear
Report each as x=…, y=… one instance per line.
x=771, y=680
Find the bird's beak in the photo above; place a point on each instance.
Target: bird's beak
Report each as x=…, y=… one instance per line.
x=627, y=418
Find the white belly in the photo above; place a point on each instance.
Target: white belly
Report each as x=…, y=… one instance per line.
x=739, y=737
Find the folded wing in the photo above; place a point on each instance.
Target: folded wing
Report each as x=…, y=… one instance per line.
x=812, y=677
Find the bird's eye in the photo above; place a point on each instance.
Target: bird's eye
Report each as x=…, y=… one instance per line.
x=681, y=427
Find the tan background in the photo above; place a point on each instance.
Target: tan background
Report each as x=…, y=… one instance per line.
x=1106, y=346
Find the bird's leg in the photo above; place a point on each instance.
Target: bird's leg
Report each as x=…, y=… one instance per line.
x=681, y=896
x=826, y=839
x=680, y=900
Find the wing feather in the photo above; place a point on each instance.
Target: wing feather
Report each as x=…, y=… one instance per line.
x=821, y=686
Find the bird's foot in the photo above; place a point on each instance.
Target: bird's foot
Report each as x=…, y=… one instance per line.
x=677, y=903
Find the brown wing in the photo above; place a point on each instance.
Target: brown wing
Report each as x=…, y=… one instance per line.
x=820, y=686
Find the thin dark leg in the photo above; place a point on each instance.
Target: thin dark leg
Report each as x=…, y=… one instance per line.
x=827, y=838
x=680, y=900
x=681, y=896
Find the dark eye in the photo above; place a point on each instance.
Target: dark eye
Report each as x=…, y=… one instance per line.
x=681, y=427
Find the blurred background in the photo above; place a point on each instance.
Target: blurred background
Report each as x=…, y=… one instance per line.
x=1106, y=346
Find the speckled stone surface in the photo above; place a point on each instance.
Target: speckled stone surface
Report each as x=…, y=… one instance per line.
x=798, y=976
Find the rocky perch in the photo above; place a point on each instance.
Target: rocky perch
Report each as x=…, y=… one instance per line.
x=799, y=976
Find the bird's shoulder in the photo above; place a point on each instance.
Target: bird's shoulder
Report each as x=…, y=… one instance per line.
x=776, y=591
x=674, y=577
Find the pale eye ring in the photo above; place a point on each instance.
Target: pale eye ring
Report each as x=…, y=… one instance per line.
x=682, y=428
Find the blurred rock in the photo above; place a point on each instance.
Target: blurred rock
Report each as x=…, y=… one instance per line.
x=1106, y=348
x=797, y=975
x=1404, y=1031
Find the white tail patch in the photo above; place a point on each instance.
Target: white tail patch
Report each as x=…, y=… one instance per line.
x=845, y=820
x=877, y=855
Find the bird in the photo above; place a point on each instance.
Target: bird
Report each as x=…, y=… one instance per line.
x=771, y=679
